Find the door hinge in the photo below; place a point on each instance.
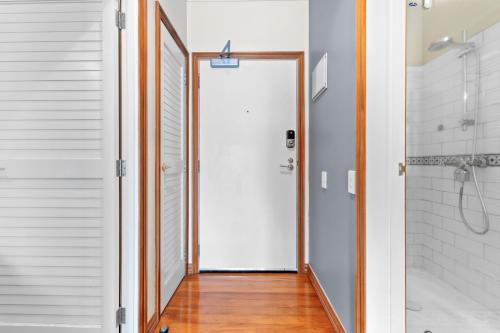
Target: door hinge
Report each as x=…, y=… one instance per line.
x=199, y=84
x=121, y=168
x=199, y=167
x=185, y=79
x=121, y=316
x=402, y=168
x=121, y=22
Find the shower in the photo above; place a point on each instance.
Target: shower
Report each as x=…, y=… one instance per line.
x=464, y=49
x=453, y=176
x=447, y=41
x=466, y=166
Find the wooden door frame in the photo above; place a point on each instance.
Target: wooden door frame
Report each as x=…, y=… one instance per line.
x=144, y=324
x=143, y=165
x=299, y=57
x=360, y=201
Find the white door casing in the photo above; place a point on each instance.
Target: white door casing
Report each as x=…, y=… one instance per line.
x=247, y=201
x=385, y=148
x=173, y=166
x=58, y=189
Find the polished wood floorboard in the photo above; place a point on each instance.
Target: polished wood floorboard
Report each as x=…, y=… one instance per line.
x=261, y=303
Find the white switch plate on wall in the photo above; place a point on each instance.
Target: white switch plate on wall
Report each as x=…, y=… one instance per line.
x=351, y=181
x=324, y=180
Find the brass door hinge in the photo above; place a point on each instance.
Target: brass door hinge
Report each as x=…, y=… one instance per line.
x=402, y=168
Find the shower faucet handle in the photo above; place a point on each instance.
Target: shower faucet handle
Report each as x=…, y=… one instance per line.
x=478, y=161
x=466, y=123
x=463, y=162
x=458, y=162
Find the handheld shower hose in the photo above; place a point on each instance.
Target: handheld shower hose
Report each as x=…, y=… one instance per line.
x=486, y=217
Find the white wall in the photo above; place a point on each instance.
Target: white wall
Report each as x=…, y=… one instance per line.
x=385, y=117
x=252, y=25
x=176, y=13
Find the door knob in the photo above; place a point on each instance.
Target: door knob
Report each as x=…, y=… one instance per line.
x=290, y=167
x=164, y=167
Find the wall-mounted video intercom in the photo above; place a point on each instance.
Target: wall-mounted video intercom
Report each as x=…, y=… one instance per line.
x=290, y=139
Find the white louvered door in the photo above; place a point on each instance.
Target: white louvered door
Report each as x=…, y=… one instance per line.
x=58, y=265
x=173, y=180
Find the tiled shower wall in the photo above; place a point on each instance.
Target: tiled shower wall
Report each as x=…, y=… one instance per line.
x=437, y=239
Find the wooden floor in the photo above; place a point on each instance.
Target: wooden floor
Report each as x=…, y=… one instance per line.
x=248, y=303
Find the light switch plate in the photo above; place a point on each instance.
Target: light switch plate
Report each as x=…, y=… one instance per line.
x=324, y=180
x=351, y=181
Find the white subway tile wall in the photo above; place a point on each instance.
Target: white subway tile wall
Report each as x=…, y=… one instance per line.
x=437, y=240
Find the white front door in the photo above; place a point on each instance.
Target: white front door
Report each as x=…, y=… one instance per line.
x=172, y=166
x=248, y=198
x=58, y=187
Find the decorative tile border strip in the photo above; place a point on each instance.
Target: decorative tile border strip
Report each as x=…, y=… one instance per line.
x=493, y=159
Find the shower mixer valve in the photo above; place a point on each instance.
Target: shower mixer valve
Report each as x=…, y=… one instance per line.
x=464, y=162
x=458, y=162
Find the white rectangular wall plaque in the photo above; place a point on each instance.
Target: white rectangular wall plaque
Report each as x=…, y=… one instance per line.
x=320, y=77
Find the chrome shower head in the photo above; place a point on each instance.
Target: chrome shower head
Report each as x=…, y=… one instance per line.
x=446, y=42
x=441, y=44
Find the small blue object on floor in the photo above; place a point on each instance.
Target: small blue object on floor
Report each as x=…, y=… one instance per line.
x=164, y=330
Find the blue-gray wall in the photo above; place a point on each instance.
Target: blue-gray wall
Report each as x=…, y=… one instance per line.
x=332, y=149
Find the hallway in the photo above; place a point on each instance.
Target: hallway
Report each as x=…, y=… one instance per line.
x=245, y=303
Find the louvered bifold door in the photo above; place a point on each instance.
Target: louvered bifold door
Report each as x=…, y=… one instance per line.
x=57, y=166
x=173, y=149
